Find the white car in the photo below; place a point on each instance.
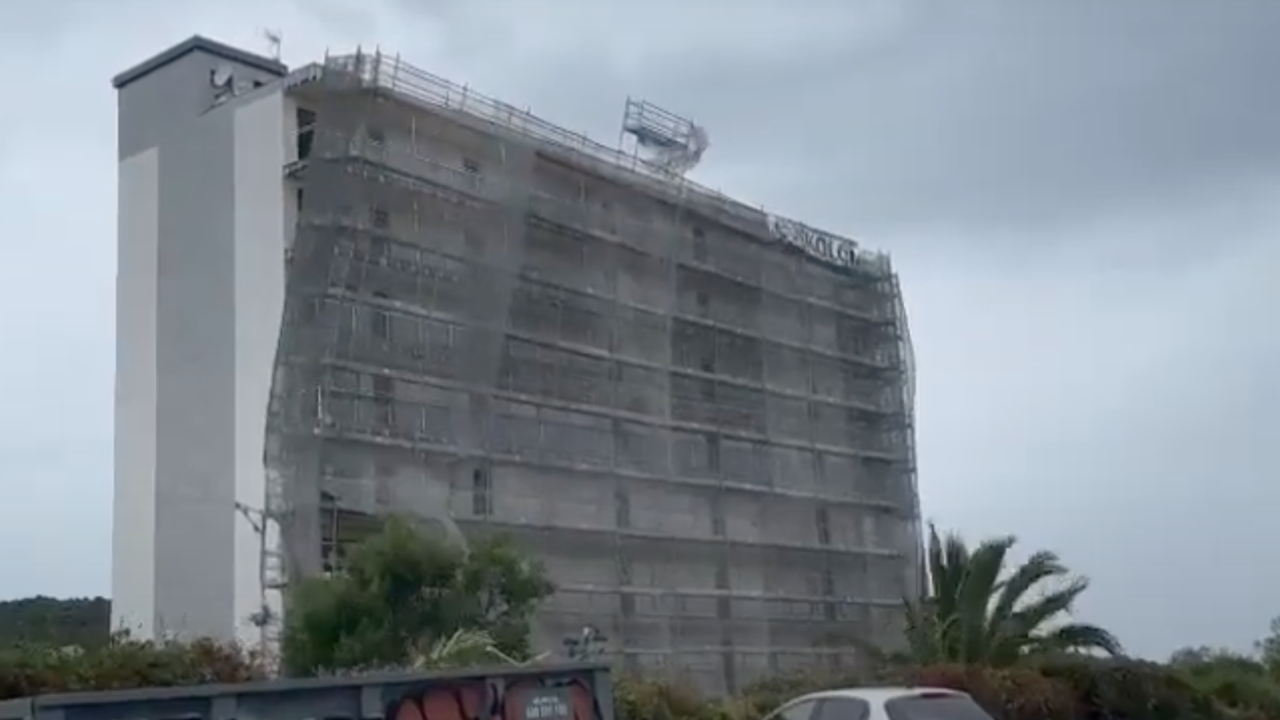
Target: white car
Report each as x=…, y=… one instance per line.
x=886, y=703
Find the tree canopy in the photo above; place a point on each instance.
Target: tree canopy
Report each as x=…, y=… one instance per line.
x=54, y=622
x=402, y=592
x=990, y=626
x=980, y=610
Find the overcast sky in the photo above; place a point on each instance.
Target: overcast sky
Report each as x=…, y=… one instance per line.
x=1080, y=196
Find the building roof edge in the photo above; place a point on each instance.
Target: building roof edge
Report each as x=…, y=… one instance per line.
x=204, y=44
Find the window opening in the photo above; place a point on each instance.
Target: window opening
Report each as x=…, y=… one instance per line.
x=934, y=706
x=622, y=509
x=799, y=711
x=382, y=391
x=842, y=709
x=473, y=240
x=381, y=320
x=378, y=250
x=713, y=452
x=481, y=495
x=306, y=121
x=830, y=608
x=624, y=570
x=823, y=520
x=699, y=245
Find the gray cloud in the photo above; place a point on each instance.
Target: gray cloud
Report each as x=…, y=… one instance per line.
x=987, y=113
x=1079, y=196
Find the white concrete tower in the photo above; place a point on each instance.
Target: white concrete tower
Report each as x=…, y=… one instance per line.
x=199, y=292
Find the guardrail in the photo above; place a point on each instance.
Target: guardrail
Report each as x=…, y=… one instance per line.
x=392, y=73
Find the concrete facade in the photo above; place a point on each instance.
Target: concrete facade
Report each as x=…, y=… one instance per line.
x=196, y=180
x=697, y=415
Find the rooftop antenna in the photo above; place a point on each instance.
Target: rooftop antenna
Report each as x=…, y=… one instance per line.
x=274, y=38
x=663, y=139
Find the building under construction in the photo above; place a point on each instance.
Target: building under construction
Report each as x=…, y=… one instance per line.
x=698, y=415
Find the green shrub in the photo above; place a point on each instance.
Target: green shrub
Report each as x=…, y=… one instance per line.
x=636, y=698
x=1007, y=694
x=1129, y=689
x=124, y=663
x=1064, y=688
x=759, y=698
x=1239, y=683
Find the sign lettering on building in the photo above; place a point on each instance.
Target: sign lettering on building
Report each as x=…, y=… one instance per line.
x=824, y=246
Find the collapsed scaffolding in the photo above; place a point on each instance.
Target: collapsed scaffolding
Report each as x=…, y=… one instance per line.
x=494, y=343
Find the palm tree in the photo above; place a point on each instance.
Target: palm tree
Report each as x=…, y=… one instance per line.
x=977, y=610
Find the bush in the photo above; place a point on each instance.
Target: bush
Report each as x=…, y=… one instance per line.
x=637, y=698
x=1241, y=684
x=1067, y=688
x=403, y=591
x=1130, y=689
x=1007, y=694
x=124, y=663
x=1062, y=689
x=761, y=697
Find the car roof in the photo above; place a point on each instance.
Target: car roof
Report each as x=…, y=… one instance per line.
x=876, y=695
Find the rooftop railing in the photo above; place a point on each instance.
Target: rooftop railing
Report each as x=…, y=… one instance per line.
x=392, y=73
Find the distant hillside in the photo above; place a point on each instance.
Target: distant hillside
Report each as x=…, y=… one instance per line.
x=51, y=621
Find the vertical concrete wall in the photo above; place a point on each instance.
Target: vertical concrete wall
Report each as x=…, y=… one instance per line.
x=133, y=540
x=176, y=430
x=195, y=444
x=261, y=137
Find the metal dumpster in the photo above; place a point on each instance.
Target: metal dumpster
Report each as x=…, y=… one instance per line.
x=541, y=692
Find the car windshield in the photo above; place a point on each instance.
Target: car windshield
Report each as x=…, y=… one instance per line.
x=935, y=706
